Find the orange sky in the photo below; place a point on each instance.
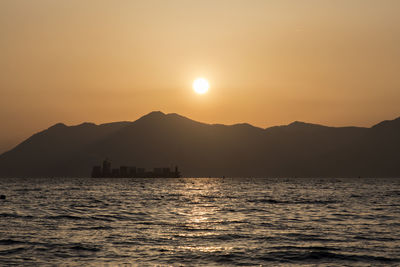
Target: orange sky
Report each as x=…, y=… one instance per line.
x=334, y=62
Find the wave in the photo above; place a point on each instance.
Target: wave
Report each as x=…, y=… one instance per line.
x=92, y=228
x=106, y=218
x=274, y=201
x=289, y=257
x=326, y=255
x=28, y=189
x=12, y=251
x=85, y=248
x=65, y=217
x=10, y=242
x=15, y=215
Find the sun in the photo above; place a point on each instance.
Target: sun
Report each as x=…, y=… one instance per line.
x=201, y=86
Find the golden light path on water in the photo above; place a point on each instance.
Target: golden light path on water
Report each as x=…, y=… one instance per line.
x=201, y=217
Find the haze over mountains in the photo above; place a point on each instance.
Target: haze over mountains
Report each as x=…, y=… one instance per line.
x=157, y=139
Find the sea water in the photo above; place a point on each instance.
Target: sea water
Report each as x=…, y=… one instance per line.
x=200, y=221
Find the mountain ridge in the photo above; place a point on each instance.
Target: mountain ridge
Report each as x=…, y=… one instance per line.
x=161, y=114
x=201, y=149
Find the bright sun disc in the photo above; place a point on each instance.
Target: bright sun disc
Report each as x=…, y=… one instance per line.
x=201, y=86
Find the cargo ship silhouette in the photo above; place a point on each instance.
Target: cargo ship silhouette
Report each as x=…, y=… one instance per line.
x=105, y=171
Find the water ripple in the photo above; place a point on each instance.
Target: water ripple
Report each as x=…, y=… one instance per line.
x=201, y=222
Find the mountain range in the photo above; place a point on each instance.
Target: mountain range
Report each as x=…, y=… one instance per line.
x=202, y=150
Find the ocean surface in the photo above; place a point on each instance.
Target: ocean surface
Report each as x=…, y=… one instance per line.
x=200, y=222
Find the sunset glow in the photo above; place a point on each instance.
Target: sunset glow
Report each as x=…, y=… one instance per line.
x=268, y=62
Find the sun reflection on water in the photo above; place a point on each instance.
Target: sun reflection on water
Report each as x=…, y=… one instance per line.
x=199, y=215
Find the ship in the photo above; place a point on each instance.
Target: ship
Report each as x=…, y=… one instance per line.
x=106, y=171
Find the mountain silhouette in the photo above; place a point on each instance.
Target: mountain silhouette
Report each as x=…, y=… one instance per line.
x=296, y=150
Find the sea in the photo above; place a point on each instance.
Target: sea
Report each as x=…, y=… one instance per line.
x=200, y=222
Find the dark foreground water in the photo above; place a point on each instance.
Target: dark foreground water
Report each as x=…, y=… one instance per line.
x=209, y=222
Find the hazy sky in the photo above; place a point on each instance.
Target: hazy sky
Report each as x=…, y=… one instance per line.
x=268, y=62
